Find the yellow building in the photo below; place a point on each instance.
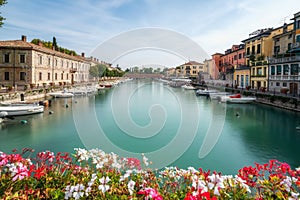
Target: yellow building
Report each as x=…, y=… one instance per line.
x=23, y=63
x=259, y=47
x=191, y=69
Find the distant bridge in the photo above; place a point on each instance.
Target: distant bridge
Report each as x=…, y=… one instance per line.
x=140, y=75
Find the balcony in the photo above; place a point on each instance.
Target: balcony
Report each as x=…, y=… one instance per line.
x=259, y=63
x=284, y=60
x=284, y=77
x=73, y=70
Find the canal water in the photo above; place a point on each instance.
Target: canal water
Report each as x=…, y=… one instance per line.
x=171, y=126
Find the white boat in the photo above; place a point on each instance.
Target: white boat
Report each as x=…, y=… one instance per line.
x=188, y=87
x=63, y=94
x=21, y=110
x=217, y=95
x=205, y=92
x=237, y=99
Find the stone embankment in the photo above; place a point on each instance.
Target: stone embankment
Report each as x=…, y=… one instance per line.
x=279, y=100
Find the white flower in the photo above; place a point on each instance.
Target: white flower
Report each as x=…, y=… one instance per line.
x=130, y=186
x=287, y=183
x=104, y=181
x=82, y=154
x=145, y=160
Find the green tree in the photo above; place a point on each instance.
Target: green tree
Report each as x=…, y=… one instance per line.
x=94, y=72
x=2, y=2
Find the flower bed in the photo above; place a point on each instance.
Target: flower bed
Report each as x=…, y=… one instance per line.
x=95, y=174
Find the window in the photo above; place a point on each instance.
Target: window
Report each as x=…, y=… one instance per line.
x=22, y=58
x=253, y=50
x=248, y=50
x=240, y=55
x=284, y=84
x=6, y=58
x=235, y=57
x=194, y=67
x=259, y=71
x=278, y=69
x=55, y=62
x=298, y=24
x=40, y=76
x=294, y=69
x=276, y=50
x=49, y=76
x=67, y=76
x=298, y=38
x=258, y=49
x=285, y=69
x=272, y=70
x=253, y=71
x=247, y=80
x=62, y=76
x=55, y=76
x=22, y=76
x=49, y=61
x=277, y=84
x=40, y=60
x=242, y=81
x=6, y=76
x=289, y=46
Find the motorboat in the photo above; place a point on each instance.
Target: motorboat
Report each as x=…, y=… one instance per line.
x=205, y=92
x=237, y=98
x=20, y=110
x=63, y=94
x=188, y=87
x=218, y=95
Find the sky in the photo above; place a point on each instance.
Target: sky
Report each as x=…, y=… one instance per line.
x=84, y=25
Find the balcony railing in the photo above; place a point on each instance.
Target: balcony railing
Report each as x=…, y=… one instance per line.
x=285, y=77
x=73, y=70
x=259, y=63
x=284, y=60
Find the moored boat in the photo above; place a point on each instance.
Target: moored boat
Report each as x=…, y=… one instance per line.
x=205, y=92
x=63, y=94
x=188, y=87
x=21, y=110
x=237, y=98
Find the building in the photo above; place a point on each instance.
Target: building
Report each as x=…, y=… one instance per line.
x=232, y=65
x=209, y=69
x=216, y=65
x=259, y=47
x=191, y=69
x=23, y=63
x=284, y=65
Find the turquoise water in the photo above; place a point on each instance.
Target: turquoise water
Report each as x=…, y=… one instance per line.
x=170, y=125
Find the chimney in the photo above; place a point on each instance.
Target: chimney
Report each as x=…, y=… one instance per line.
x=40, y=43
x=82, y=54
x=24, y=38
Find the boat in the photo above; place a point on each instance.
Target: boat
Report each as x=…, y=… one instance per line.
x=2, y=116
x=188, y=87
x=205, y=92
x=237, y=98
x=218, y=95
x=63, y=94
x=21, y=110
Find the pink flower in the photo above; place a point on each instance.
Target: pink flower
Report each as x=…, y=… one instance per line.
x=3, y=159
x=150, y=192
x=20, y=172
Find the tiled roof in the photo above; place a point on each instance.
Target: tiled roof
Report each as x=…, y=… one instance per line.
x=20, y=44
x=192, y=63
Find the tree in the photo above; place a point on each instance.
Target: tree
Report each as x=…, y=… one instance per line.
x=94, y=72
x=2, y=2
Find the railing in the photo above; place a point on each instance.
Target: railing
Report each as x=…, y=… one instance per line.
x=73, y=70
x=285, y=77
x=284, y=60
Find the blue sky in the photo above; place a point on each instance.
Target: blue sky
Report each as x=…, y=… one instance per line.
x=82, y=25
